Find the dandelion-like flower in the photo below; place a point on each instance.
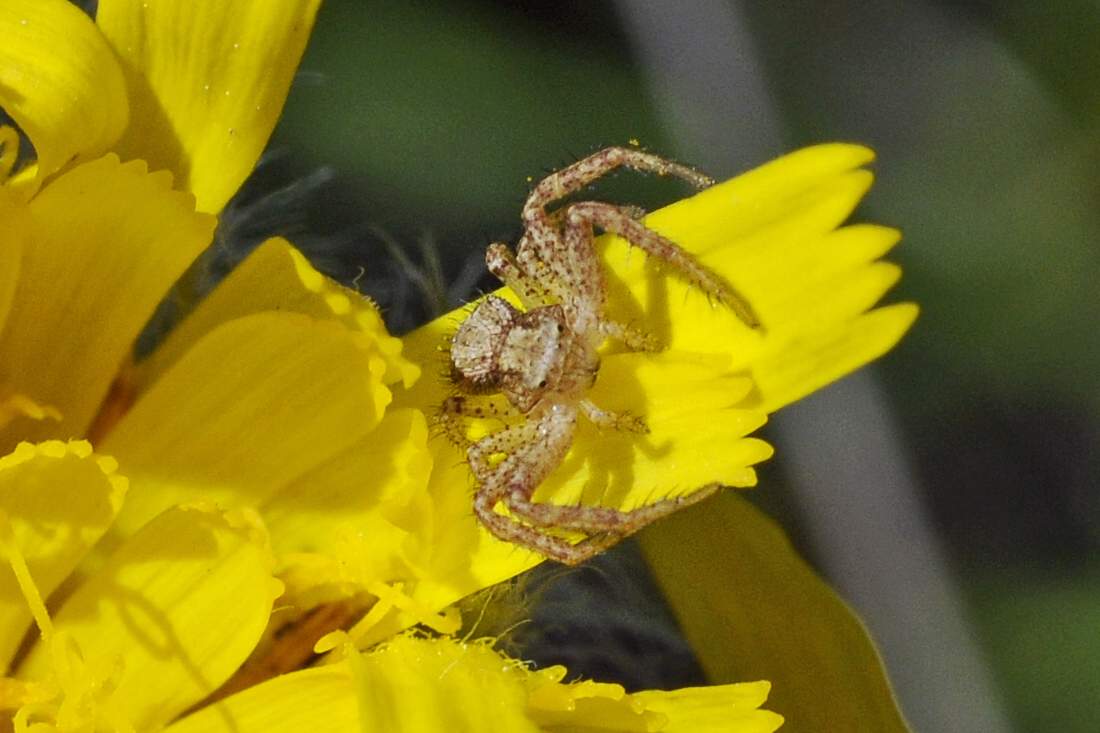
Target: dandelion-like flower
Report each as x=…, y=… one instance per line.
x=163, y=520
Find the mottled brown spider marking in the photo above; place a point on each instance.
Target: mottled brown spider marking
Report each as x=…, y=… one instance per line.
x=543, y=359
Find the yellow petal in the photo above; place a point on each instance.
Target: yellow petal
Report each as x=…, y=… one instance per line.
x=321, y=699
x=361, y=508
x=276, y=277
x=465, y=557
x=424, y=686
x=207, y=81
x=764, y=258
x=427, y=685
x=177, y=609
x=105, y=243
x=818, y=359
x=60, y=82
x=589, y=706
x=59, y=498
x=772, y=232
x=716, y=709
x=696, y=434
x=253, y=405
x=767, y=194
x=751, y=607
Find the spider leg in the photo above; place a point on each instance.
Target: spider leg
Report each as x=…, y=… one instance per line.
x=523, y=471
x=574, y=177
x=517, y=472
x=493, y=478
x=542, y=228
x=549, y=546
x=634, y=338
x=545, y=253
x=534, y=290
x=611, y=218
x=530, y=458
x=455, y=409
x=598, y=520
x=606, y=419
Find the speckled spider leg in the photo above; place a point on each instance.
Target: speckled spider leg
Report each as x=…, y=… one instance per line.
x=533, y=291
x=547, y=254
x=612, y=219
x=515, y=443
x=554, y=548
x=598, y=520
x=540, y=226
x=455, y=409
x=552, y=433
x=609, y=420
x=574, y=177
x=517, y=477
x=634, y=338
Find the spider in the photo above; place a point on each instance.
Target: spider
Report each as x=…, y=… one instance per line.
x=544, y=358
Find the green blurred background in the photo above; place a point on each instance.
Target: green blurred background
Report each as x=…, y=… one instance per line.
x=421, y=124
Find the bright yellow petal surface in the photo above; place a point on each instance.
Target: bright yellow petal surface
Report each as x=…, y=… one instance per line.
x=105, y=242
x=60, y=82
x=585, y=707
x=818, y=359
x=321, y=699
x=177, y=608
x=60, y=498
x=716, y=709
x=682, y=396
x=276, y=277
x=772, y=232
x=424, y=686
x=207, y=81
x=751, y=608
x=465, y=558
x=361, y=514
x=444, y=685
x=252, y=406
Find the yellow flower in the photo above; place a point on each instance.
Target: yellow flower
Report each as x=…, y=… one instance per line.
x=150, y=621
x=775, y=233
x=276, y=443
x=419, y=685
x=255, y=442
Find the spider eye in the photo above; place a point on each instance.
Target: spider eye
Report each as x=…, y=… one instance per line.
x=542, y=384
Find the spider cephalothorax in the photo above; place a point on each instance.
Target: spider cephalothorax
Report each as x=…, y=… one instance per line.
x=544, y=358
x=522, y=355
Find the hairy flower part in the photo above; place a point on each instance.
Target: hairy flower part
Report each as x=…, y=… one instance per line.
x=444, y=685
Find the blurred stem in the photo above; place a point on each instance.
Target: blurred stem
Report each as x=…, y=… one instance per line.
x=849, y=479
